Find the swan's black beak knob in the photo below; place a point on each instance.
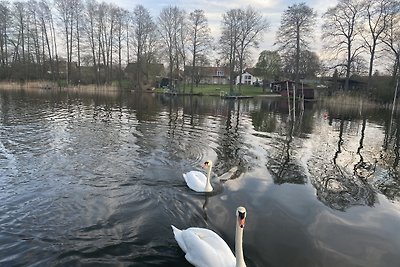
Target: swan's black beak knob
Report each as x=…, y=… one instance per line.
x=241, y=218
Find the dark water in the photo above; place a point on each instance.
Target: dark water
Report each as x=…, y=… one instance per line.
x=96, y=180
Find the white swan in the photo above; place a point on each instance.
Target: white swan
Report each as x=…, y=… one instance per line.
x=197, y=181
x=204, y=248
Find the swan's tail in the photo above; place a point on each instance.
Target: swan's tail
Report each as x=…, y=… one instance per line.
x=176, y=231
x=185, y=177
x=178, y=238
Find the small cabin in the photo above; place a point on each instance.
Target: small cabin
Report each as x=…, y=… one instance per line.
x=286, y=87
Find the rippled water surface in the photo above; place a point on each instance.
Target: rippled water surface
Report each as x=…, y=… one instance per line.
x=96, y=179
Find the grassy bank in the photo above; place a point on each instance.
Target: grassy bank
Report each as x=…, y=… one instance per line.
x=221, y=89
x=47, y=85
x=216, y=89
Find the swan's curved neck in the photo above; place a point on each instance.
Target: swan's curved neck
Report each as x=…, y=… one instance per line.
x=208, y=184
x=238, y=246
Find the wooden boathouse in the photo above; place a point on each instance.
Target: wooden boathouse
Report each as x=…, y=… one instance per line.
x=287, y=87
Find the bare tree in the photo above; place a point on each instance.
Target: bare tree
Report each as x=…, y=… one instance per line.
x=46, y=20
x=228, y=42
x=90, y=25
x=341, y=34
x=169, y=21
x=78, y=31
x=295, y=33
x=181, y=38
x=241, y=30
x=122, y=20
x=34, y=34
x=200, y=40
x=144, y=28
x=19, y=41
x=251, y=27
x=67, y=10
x=391, y=35
x=104, y=23
x=4, y=33
x=376, y=20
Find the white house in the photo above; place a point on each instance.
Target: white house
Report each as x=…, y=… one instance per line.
x=208, y=75
x=248, y=77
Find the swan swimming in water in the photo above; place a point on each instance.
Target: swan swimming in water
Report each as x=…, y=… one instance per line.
x=197, y=181
x=204, y=248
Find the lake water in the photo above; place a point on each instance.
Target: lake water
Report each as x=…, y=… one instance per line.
x=96, y=179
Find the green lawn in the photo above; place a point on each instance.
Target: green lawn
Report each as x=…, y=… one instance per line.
x=218, y=89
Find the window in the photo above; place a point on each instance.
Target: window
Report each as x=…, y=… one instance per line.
x=220, y=73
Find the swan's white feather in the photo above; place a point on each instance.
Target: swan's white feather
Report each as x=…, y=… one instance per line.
x=204, y=248
x=196, y=181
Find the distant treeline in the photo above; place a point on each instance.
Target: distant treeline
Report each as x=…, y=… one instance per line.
x=90, y=42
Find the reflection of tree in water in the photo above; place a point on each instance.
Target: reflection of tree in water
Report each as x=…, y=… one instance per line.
x=389, y=183
x=265, y=119
x=284, y=141
x=189, y=133
x=283, y=164
x=336, y=186
x=146, y=109
x=230, y=141
x=363, y=168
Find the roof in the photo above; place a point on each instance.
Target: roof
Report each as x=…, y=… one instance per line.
x=252, y=71
x=209, y=71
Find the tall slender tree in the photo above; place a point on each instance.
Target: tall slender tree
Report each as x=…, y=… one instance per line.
x=67, y=10
x=199, y=38
x=20, y=40
x=295, y=33
x=5, y=19
x=241, y=30
x=45, y=21
x=144, y=28
x=391, y=36
x=376, y=16
x=229, y=41
x=90, y=25
x=341, y=34
x=122, y=20
x=170, y=19
x=252, y=25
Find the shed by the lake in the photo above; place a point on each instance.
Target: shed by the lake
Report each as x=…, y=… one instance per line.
x=288, y=87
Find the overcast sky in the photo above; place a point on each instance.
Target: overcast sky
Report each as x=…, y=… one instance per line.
x=271, y=9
